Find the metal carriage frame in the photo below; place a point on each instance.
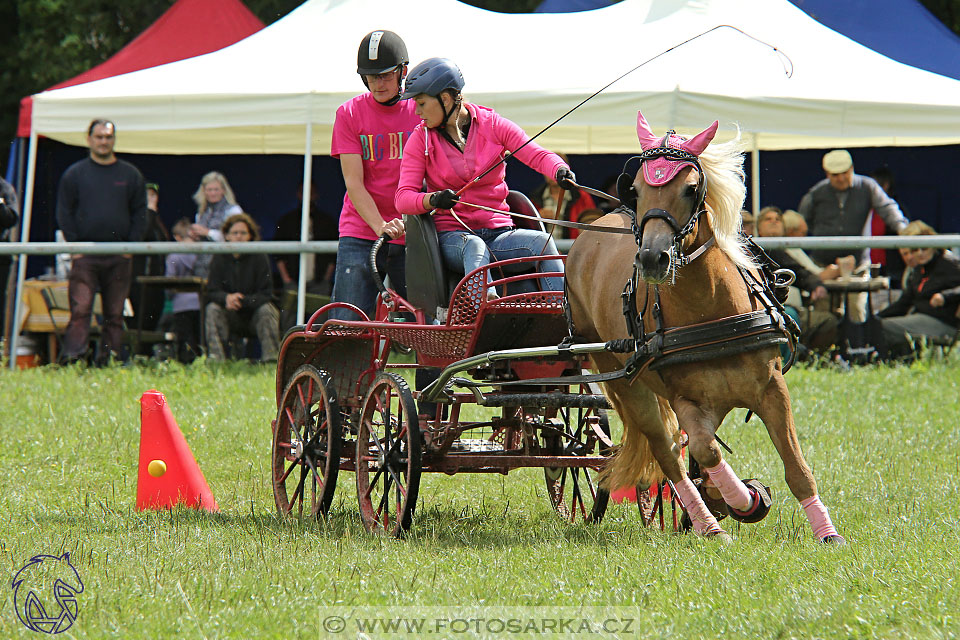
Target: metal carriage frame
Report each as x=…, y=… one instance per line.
x=344, y=406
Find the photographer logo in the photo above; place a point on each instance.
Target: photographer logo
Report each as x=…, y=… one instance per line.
x=45, y=593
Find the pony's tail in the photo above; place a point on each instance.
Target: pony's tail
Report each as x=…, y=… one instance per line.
x=633, y=464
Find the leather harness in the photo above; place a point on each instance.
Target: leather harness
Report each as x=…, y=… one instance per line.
x=724, y=337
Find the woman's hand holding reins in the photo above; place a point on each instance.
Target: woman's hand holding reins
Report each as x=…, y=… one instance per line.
x=566, y=179
x=444, y=199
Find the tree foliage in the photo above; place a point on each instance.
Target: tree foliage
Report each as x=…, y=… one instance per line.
x=946, y=11
x=48, y=41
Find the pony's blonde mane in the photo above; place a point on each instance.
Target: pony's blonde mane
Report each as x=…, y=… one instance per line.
x=726, y=192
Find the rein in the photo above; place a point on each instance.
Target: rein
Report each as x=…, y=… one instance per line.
x=786, y=70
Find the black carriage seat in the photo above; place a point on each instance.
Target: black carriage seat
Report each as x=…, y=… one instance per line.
x=430, y=284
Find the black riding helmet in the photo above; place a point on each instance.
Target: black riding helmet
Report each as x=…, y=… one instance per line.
x=432, y=77
x=381, y=51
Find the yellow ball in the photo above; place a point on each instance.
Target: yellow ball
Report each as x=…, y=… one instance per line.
x=157, y=468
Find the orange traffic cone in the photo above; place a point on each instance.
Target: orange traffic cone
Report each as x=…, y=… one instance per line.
x=167, y=473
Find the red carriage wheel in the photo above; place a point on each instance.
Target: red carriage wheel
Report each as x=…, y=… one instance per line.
x=573, y=491
x=388, y=456
x=306, y=444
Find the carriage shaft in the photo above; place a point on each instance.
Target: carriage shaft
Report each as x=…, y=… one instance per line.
x=435, y=391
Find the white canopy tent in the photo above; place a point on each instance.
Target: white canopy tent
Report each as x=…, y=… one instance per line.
x=258, y=95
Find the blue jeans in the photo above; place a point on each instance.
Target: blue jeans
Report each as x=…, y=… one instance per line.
x=354, y=283
x=471, y=250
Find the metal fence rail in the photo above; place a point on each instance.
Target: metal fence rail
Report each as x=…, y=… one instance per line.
x=24, y=249
x=943, y=241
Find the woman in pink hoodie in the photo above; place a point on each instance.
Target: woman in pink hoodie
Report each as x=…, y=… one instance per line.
x=455, y=142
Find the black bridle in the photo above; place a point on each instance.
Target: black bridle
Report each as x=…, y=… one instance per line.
x=628, y=193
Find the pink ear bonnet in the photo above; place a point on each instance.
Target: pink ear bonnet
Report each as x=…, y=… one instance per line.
x=660, y=170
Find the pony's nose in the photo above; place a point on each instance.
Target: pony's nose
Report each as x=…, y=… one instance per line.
x=654, y=263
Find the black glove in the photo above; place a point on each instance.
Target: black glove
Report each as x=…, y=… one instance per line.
x=444, y=199
x=567, y=180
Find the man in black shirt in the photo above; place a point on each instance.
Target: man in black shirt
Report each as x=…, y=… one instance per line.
x=101, y=199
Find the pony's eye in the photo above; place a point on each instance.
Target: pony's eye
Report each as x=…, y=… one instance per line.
x=690, y=191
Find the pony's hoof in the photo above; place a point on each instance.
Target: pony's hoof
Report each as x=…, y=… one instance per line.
x=835, y=540
x=760, y=507
x=720, y=537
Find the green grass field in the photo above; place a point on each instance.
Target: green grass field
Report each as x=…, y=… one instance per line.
x=884, y=444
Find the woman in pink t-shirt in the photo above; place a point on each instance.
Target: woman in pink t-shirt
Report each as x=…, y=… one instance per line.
x=368, y=137
x=456, y=142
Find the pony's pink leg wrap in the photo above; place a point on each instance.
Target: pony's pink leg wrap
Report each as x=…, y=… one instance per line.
x=734, y=492
x=818, y=517
x=703, y=521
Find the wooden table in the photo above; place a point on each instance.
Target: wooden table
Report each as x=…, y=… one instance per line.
x=843, y=286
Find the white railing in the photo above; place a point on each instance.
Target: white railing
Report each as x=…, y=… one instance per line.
x=24, y=249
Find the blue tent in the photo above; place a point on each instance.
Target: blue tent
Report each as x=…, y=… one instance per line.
x=570, y=6
x=900, y=29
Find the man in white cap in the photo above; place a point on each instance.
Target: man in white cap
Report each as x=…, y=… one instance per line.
x=840, y=205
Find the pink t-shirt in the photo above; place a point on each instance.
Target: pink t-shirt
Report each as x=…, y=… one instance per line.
x=428, y=155
x=378, y=134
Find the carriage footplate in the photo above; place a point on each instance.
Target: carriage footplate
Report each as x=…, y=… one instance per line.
x=760, y=503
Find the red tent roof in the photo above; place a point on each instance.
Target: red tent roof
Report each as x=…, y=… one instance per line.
x=189, y=28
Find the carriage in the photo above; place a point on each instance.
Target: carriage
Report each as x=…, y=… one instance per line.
x=345, y=405
x=695, y=332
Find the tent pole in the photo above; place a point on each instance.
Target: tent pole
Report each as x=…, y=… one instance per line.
x=15, y=178
x=307, y=197
x=755, y=176
x=24, y=237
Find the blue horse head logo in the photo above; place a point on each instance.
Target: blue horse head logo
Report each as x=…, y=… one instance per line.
x=45, y=593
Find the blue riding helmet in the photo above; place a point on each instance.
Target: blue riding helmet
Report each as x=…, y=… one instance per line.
x=431, y=77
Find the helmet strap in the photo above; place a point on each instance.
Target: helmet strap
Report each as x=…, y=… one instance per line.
x=455, y=108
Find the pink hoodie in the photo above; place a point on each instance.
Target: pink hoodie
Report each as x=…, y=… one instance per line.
x=427, y=155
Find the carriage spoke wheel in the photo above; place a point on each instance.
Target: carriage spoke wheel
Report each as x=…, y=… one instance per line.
x=306, y=444
x=574, y=492
x=388, y=456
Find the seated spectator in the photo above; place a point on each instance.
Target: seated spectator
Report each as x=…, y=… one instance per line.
x=747, y=225
x=240, y=295
x=186, y=305
x=818, y=328
x=544, y=198
x=928, y=306
x=794, y=226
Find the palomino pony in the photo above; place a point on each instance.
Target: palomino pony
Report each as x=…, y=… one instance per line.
x=692, y=270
